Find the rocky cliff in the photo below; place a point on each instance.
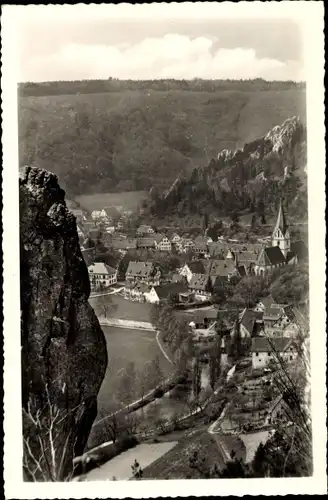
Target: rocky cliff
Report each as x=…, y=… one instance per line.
x=238, y=180
x=64, y=354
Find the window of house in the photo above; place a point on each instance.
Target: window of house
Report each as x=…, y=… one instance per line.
x=256, y=354
x=290, y=358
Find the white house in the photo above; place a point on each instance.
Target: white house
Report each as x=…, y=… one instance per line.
x=265, y=351
x=188, y=270
x=98, y=214
x=101, y=275
x=162, y=243
x=162, y=292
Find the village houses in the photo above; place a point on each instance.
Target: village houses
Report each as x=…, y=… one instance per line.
x=200, y=285
x=101, y=275
x=162, y=293
x=162, y=243
x=142, y=272
x=266, y=351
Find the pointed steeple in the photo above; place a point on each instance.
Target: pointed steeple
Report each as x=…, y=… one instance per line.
x=281, y=220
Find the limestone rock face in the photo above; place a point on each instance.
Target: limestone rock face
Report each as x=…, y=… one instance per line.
x=64, y=356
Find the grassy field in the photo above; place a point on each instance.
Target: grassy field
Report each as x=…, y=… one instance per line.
x=175, y=463
x=121, y=308
x=128, y=200
x=124, y=346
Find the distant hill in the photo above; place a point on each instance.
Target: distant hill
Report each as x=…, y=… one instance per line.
x=135, y=135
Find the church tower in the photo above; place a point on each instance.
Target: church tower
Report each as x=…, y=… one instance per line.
x=280, y=235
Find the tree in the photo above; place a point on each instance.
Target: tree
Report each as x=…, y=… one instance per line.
x=127, y=384
x=153, y=373
x=235, y=345
x=215, y=362
x=196, y=377
x=112, y=427
x=106, y=305
x=233, y=469
x=173, y=299
x=47, y=450
x=259, y=465
x=137, y=471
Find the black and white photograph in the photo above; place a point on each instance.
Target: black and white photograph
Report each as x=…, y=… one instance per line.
x=164, y=316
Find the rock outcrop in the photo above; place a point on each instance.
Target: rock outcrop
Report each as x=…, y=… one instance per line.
x=64, y=356
x=257, y=161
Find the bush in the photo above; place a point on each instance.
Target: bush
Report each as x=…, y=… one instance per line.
x=158, y=392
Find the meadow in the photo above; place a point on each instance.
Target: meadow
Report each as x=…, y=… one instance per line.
x=121, y=308
x=125, y=346
x=126, y=200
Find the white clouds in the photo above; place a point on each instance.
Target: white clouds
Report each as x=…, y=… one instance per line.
x=169, y=56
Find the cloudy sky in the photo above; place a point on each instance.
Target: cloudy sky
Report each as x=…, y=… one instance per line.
x=127, y=41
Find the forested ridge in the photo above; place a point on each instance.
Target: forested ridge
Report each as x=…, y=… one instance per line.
x=246, y=180
x=112, y=136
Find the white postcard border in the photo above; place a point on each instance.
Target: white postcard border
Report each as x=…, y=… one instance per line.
x=310, y=15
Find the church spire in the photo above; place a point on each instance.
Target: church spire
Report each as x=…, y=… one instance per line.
x=281, y=220
x=280, y=235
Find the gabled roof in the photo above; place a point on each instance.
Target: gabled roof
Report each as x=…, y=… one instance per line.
x=273, y=312
x=199, y=282
x=163, y=291
x=171, y=233
x=281, y=220
x=222, y=268
x=249, y=318
x=140, y=269
x=196, y=266
x=101, y=268
x=145, y=242
x=246, y=256
x=278, y=344
x=124, y=243
x=270, y=256
x=158, y=237
x=267, y=301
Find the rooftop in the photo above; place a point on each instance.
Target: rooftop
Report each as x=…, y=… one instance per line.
x=101, y=268
x=140, y=269
x=199, y=282
x=249, y=318
x=264, y=344
x=271, y=256
x=163, y=291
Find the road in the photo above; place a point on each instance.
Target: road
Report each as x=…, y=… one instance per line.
x=126, y=323
x=103, y=294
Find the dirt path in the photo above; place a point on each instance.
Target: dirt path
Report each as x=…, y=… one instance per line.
x=119, y=467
